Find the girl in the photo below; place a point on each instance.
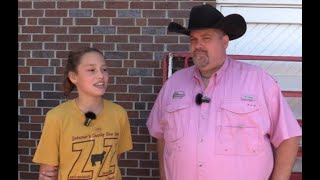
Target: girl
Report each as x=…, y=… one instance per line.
x=84, y=137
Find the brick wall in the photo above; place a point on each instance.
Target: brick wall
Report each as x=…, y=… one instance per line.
x=133, y=37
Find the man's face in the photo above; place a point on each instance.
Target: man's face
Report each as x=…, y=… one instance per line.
x=208, y=48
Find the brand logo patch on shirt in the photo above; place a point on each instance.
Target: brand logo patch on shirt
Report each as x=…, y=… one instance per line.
x=248, y=98
x=178, y=95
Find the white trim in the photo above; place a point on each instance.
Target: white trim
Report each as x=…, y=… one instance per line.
x=297, y=165
x=265, y=14
x=262, y=2
x=295, y=104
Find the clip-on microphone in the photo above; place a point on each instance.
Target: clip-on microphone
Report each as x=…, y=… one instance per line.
x=201, y=99
x=89, y=117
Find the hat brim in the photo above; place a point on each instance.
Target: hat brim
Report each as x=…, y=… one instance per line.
x=233, y=25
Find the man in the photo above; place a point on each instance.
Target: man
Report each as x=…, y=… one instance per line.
x=221, y=119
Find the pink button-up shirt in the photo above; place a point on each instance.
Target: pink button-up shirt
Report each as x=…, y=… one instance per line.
x=228, y=138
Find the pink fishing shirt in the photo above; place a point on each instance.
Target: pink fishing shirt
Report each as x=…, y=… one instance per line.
x=228, y=138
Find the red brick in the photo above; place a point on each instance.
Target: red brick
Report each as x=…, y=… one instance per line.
x=104, y=13
x=128, y=63
x=37, y=119
x=133, y=114
x=23, y=167
x=92, y=5
x=126, y=105
x=24, y=86
x=56, y=13
x=23, y=70
x=37, y=62
x=30, y=127
x=30, y=78
x=68, y=38
x=123, y=22
x=28, y=175
x=138, y=155
x=32, y=13
x=116, y=5
x=67, y=21
x=44, y=5
x=42, y=38
x=30, y=111
x=30, y=103
x=24, y=5
x=86, y=21
x=91, y=38
x=80, y=30
x=127, y=80
x=55, y=30
x=32, y=21
x=127, y=97
x=21, y=21
x=68, y=5
x=32, y=29
x=128, y=163
x=128, y=30
x=73, y=46
x=55, y=46
x=104, y=46
x=141, y=138
x=141, y=55
x=141, y=21
x=166, y=5
x=26, y=143
x=138, y=172
x=24, y=37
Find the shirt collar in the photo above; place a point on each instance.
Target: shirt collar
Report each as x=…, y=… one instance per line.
x=217, y=75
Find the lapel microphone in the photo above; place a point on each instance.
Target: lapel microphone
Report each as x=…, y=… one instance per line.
x=201, y=99
x=89, y=117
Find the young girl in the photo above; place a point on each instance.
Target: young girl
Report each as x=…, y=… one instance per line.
x=83, y=138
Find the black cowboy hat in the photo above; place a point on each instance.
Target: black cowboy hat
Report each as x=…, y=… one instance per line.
x=206, y=16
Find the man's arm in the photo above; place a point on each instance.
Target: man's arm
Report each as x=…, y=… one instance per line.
x=48, y=172
x=160, y=147
x=285, y=156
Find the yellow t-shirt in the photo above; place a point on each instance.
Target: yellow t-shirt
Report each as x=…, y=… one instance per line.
x=84, y=152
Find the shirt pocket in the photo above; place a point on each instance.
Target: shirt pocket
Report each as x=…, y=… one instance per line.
x=238, y=131
x=176, y=116
x=173, y=138
x=172, y=151
x=175, y=107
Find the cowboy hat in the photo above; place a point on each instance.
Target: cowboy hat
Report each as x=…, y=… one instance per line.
x=207, y=16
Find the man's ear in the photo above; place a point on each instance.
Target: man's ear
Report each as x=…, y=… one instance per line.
x=225, y=41
x=73, y=77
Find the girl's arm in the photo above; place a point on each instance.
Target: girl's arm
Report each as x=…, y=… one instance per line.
x=48, y=172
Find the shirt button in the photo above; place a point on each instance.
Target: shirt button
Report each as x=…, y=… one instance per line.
x=201, y=140
x=200, y=165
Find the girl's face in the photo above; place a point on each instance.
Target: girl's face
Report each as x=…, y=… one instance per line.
x=92, y=76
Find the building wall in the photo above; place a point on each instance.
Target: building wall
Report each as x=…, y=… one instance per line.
x=133, y=37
